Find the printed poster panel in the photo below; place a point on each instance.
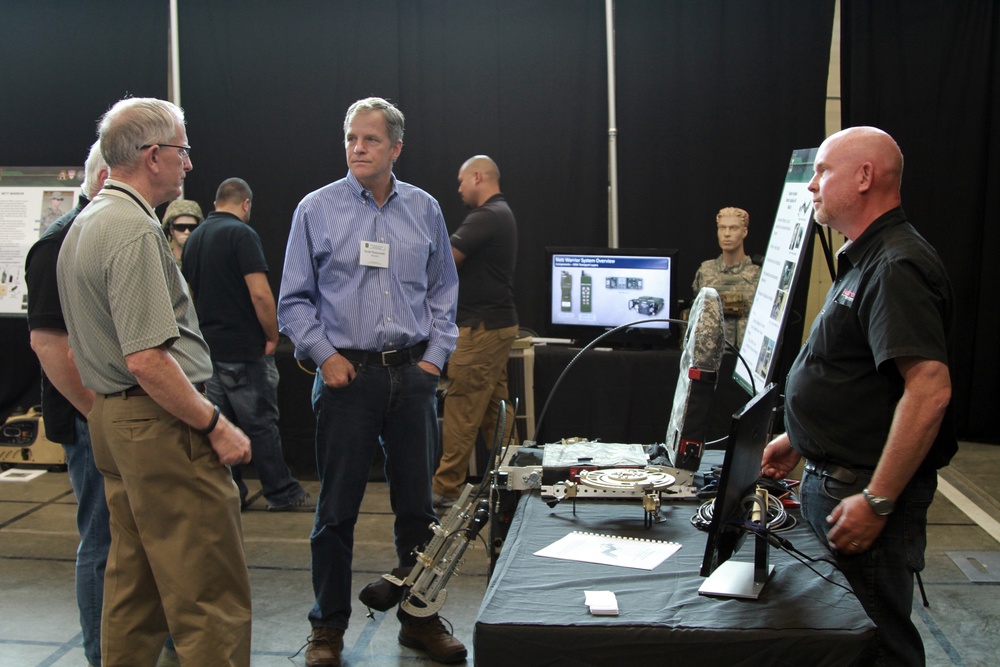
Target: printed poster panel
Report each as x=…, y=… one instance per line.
x=784, y=262
x=31, y=199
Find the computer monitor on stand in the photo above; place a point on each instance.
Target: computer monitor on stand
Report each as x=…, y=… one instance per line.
x=749, y=434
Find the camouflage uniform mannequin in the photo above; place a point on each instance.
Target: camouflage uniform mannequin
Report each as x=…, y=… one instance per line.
x=733, y=274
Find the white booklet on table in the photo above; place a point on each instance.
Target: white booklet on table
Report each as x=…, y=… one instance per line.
x=610, y=550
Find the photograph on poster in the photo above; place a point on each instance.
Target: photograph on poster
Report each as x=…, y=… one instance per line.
x=56, y=204
x=787, y=272
x=778, y=307
x=31, y=199
x=764, y=358
x=796, y=236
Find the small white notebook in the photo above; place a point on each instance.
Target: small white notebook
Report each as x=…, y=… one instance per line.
x=610, y=550
x=601, y=603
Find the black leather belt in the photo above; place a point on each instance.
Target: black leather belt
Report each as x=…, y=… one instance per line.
x=840, y=473
x=136, y=390
x=385, y=357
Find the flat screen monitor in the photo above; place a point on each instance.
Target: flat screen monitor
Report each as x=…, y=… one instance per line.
x=749, y=434
x=593, y=290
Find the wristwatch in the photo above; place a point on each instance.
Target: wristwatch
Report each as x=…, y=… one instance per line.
x=880, y=504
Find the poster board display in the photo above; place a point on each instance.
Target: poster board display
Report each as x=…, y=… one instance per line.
x=784, y=263
x=31, y=198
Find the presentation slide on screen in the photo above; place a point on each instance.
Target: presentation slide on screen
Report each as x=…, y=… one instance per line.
x=782, y=266
x=609, y=290
x=31, y=199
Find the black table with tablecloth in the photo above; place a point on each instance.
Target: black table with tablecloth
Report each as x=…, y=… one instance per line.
x=533, y=612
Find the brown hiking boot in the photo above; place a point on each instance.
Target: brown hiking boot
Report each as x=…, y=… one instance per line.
x=429, y=635
x=325, y=646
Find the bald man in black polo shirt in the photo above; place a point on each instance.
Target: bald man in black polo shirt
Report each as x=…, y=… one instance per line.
x=485, y=251
x=867, y=401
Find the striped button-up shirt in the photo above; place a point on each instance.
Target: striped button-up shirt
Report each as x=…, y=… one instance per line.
x=330, y=300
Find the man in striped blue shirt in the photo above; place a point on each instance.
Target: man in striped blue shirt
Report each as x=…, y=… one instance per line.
x=369, y=292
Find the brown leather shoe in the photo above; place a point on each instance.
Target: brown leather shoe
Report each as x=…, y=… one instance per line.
x=429, y=635
x=325, y=647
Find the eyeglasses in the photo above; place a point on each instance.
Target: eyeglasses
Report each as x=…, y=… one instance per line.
x=184, y=228
x=183, y=151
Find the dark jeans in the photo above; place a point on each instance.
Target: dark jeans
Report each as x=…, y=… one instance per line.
x=93, y=524
x=882, y=577
x=247, y=393
x=395, y=408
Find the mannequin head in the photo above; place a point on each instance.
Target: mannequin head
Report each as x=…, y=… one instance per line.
x=732, y=226
x=179, y=220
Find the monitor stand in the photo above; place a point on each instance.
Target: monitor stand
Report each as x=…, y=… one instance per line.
x=735, y=579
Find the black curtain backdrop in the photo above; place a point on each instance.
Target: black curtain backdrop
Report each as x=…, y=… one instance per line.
x=63, y=65
x=520, y=80
x=928, y=73
x=713, y=97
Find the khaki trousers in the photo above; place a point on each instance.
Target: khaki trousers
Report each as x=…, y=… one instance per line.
x=176, y=562
x=478, y=374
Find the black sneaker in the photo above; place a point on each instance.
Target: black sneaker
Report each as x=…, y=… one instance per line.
x=305, y=503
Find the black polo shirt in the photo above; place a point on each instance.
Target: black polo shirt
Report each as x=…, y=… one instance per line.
x=488, y=239
x=891, y=298
x=218, y=255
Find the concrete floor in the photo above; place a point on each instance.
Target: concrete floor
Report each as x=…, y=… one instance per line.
x=39, y=624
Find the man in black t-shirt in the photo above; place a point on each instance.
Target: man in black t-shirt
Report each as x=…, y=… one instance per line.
x=485, y=251
x=65, y=404
x=224, y=265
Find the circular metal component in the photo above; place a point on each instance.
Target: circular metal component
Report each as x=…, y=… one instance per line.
x=627, y=478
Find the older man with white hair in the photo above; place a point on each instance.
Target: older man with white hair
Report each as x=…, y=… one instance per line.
x=177, y=560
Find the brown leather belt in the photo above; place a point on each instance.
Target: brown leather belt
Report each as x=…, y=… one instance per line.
x=137, y=390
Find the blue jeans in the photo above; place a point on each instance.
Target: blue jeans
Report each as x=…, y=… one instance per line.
x=395, y=408
x=882, y=577
x=93, y=524
x=247, y=393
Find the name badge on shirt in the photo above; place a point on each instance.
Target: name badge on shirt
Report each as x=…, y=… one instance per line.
x=375, y=254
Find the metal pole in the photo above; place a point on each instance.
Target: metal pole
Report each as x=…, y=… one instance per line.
x=174, y=75
x=612, y=129
x=174, y=65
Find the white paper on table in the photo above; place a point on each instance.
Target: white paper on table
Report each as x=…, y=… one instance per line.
x=610, y=550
